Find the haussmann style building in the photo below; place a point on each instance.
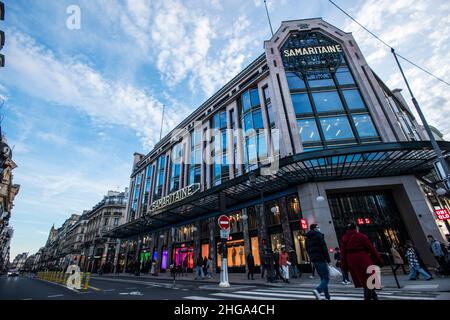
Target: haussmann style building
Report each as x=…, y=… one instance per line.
x=307, y=133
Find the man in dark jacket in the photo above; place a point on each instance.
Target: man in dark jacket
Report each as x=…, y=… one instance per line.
x=250, y=265
x=319, y=256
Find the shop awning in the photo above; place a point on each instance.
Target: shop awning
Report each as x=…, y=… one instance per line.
x=355, y=162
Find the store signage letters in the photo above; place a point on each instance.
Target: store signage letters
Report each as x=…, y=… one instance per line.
x=312, y=50
x=175, y=197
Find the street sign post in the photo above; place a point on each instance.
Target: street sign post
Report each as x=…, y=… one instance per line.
x=224, y=225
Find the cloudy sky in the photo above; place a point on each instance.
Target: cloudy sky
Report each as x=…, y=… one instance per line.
x=79, y=103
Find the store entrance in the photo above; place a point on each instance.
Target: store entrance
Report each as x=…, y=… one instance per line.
x=376, y=214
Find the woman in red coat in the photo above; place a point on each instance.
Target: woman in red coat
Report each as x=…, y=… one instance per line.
x=358, y=254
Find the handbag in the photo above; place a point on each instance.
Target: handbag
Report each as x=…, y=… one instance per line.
x=334, y=273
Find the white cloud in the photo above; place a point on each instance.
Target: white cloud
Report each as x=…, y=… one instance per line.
x=65, y=81
x=420, y=31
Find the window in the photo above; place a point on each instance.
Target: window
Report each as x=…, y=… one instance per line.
x=246, y=101
x=220, y=168
x=301, y=103
x=295, y=81
x=322, y=79
x=327, y=101
x=308, y=130
x=116, y=221
x=176, y=168
x=137, y=190
x=195, y=165
x=343, y=76
x=353, y=99
x=160, y=177
x=255, y=142
x=364, y=126
x=336, y=128
x=147, y=187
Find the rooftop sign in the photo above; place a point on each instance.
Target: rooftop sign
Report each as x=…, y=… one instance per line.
x=309, y=51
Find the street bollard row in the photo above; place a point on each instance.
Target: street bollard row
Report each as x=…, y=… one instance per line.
x=61, y=278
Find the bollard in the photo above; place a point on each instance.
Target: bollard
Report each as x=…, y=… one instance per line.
x=86, y=281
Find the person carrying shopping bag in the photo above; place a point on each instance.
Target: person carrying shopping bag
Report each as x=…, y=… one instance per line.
x=284, y=264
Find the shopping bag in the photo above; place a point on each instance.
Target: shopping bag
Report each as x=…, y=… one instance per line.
x=334, y=273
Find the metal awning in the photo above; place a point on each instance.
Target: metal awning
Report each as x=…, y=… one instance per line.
x=354, y=162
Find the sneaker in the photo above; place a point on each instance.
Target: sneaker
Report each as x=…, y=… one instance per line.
x=344, y=282
x=311, y=277
x=316, y=294
x=348, y=282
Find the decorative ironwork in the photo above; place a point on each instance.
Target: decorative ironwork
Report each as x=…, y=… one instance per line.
x=311, y=51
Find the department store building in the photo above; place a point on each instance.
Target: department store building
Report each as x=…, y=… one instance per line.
x=307, y=133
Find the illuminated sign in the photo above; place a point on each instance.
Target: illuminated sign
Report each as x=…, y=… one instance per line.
x=442, y=214
x=175, y=197
x=304, y=224
x=361, y=221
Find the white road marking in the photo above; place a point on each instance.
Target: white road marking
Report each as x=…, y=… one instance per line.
x=200, y=298
x=421, y=286
x=28, y=299
x=108, y=290
x=240, y=296
x=55, y=296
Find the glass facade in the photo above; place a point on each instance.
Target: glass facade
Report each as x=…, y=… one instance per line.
x=221, y=169
x=136, y=193
x=255, y=143
x=329, y=107
x=175, y=171
x=195, y=163
x=147, y=188
x=160, y=177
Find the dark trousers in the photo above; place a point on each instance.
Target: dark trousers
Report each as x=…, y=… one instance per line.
x=263, y=270
x=250, y=272
x=370, y=294
x=277, y=271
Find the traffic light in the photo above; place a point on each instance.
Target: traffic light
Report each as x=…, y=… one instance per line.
x=2, y=34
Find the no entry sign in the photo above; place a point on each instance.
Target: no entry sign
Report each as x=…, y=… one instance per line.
x=224, y=222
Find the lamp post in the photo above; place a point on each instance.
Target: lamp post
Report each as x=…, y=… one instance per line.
x=267, y=250
x=436, y=148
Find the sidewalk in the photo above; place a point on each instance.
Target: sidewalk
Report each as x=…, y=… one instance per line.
x=240, y=279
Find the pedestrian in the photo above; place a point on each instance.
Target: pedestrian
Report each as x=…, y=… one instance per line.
x=398, y=260
x=185, y=265
x=205, y=266
x=358, y=253
x=264, y=263
x=153, y=268
x=338, y=259
x=293, y=267
x=318, y=254
x=415, y=266
x=276, y=258
x=284, y=264
x=198, y=268
x=439, y=251
x=209, y=267
x=250, y=266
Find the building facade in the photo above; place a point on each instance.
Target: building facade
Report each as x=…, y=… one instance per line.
x=8, y=191
x=307, y=133
x=98, y=250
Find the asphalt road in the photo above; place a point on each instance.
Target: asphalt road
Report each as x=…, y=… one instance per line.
x=25, y=288
x=105, y=288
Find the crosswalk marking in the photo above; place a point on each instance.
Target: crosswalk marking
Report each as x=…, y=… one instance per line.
x=200, y=298
x=309, y=292
x=246, y=297
x=305, y=294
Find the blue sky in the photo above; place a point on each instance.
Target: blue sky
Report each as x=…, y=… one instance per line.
x=79, y=103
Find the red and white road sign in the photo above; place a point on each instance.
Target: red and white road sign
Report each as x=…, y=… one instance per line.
x=224, y=222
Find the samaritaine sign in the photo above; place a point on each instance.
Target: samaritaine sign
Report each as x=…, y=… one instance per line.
x=310, y=51
x=174, y=197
